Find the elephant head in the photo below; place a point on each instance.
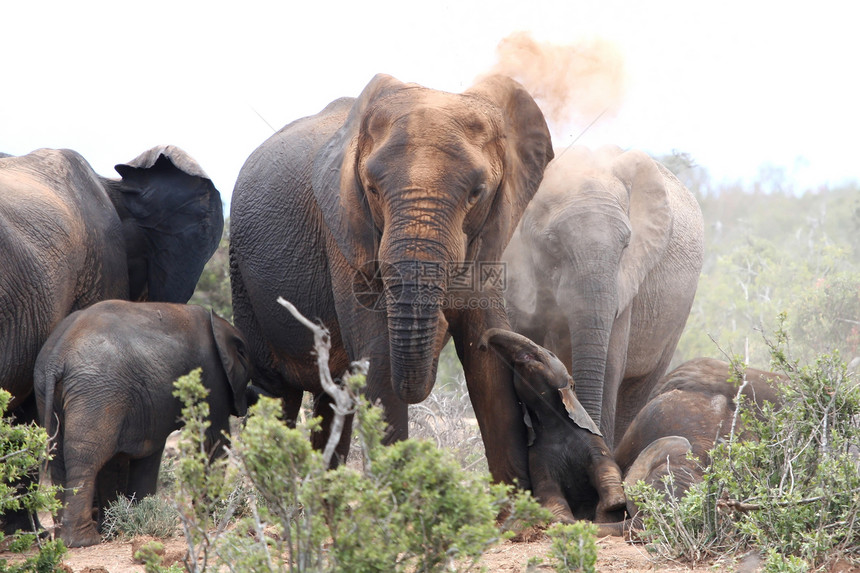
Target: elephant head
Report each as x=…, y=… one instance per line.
x=417, y=180
x=565, y=445
x=233, y=352
x=599, y=224
x=662, y=457
x=172, y=221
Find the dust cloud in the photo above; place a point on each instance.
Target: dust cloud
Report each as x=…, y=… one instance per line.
x=573, y=84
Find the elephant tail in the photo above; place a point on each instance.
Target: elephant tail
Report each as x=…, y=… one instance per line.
x=47, y=378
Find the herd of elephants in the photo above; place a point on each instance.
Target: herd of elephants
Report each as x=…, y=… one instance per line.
x=564, y=277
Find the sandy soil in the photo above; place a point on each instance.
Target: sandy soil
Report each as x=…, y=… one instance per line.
x=614, y=555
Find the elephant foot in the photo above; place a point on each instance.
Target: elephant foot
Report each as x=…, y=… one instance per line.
x=80, y=536
x=611, y=508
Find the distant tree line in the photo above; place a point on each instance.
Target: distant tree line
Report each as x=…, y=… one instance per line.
x=772, y=249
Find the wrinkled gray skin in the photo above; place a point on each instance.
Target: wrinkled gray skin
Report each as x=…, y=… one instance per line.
x=104, y=385
x=689, y=409
x=70, y=238
x=602, y=270
x=382, y=195
x=572, y=470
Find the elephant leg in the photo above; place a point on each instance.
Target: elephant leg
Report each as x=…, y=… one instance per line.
x=57, y=470
x=143, y=475
x=291, y=403
x=491, y=391
x=111, y=482
x=380, y=391
x=86, y=451
x=363, y=329
x=632, y=397
x=323, y=408
x=635, y=391
x=548, y=491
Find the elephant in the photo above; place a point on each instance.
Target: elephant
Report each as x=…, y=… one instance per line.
x=691, y=408
x=573, y=473
x=106, y=376
x=602, y=270
x=380, y=217
x=70, y=238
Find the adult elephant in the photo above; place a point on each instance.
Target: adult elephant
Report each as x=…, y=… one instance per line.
x=602, y=270
x=70, y=238
x=376, y=217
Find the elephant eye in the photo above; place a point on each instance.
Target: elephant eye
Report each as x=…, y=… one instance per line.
x=553, y=244
x=372, y=190
x=476, y=193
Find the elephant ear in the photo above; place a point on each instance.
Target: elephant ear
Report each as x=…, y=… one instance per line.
x=650, y=218
x=173, y=221
x=655, y=455
x=576, y=412
x=337, y=188
x=527, y=148
x=233, y=352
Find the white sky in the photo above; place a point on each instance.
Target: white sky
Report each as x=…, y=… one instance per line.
x=737, y=84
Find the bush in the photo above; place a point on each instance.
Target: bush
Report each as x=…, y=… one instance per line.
x=574, y=546
x=410, y=507
x=23, y=449
x=792, y=483
x=153, y=515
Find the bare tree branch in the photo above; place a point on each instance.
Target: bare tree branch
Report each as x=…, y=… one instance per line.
x=343, y=402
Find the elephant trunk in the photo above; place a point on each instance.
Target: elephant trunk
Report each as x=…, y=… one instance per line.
x=606, y=479
x=591, y=307
x=414, y=293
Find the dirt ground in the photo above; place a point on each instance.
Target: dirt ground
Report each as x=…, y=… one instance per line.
x=614, y=555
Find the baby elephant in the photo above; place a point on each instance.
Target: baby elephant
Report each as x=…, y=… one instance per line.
x=688, y=410
x=104, y=385
x=572, y=471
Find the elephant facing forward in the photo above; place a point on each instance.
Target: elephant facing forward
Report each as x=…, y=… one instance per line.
x=602, y=270
x=376, y=217
x=104, y=385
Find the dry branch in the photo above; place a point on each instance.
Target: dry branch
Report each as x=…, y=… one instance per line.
x=343, y=402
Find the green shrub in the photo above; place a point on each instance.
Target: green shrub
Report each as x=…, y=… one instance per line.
x=410, y=507
x=201, y=486
x=23, y=449
x=573, y=546
x=792, y=484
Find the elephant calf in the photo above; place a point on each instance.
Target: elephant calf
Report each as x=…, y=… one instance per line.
x=104, y=385
x=572, y=471
x=688, y=410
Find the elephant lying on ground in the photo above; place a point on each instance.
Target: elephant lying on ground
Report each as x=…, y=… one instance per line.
x=104, y=384
x=691, y=407
x=572, y=470
x=70, y=238
x=603, y=270
x=384, y=217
